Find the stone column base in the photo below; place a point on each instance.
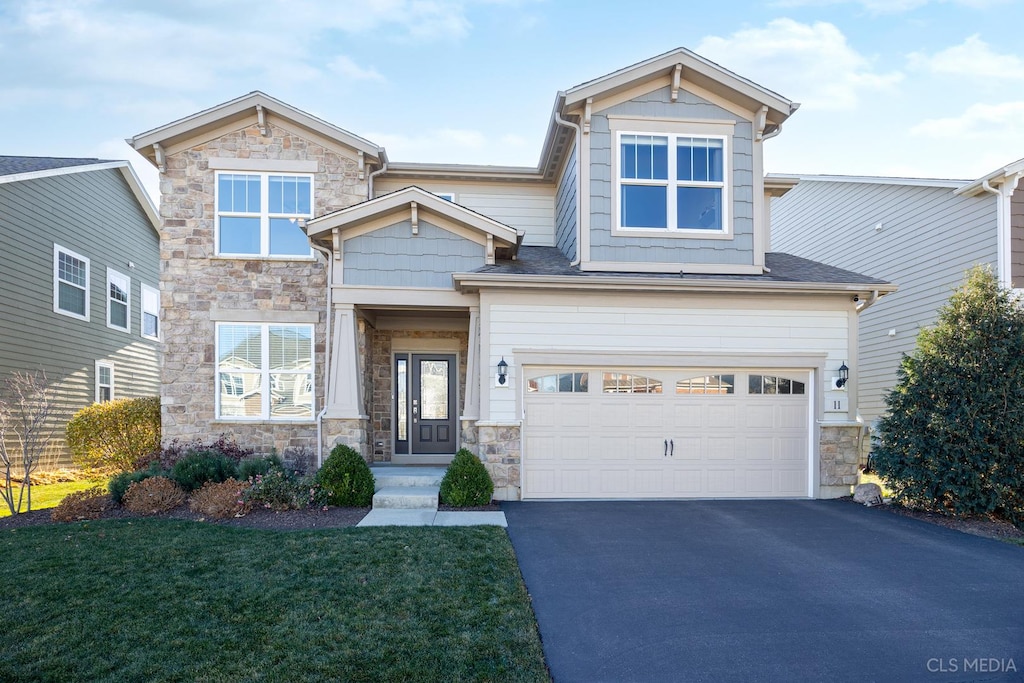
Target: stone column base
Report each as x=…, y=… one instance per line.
x=500, y=448
x=839, y=460
x=348, y=431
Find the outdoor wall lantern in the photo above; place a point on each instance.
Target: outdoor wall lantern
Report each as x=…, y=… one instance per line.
x=502, y=372
x=844, y=375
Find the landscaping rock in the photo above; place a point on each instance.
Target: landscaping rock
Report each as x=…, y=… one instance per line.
x=868, y=494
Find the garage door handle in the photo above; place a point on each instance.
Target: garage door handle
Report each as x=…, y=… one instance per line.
x=672, y=448
x=666, y=448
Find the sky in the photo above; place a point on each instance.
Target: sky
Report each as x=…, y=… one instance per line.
x=921, y=88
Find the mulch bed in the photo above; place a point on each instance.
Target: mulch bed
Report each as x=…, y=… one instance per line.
x=988, y=527
x=259, y=518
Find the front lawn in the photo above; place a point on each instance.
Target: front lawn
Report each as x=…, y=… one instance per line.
x=48, y=495
x=160, y=600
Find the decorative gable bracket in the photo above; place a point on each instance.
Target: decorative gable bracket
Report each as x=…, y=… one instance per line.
x=677, y=75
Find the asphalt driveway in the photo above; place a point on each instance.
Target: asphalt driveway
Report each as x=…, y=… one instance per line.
x=766, y=591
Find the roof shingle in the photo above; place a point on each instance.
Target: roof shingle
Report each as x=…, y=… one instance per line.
x=11, y=165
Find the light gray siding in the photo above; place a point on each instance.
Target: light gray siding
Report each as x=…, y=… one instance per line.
x=928, y=238
x=394, y=257
x=646, y=249
x=565, y=206
x=1017, y=237
x=95, y=215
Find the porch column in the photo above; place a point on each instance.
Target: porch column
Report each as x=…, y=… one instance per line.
x=344, y=388
x=471, y=406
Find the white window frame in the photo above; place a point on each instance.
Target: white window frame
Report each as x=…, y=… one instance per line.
x=109, y=366
x=264, y=215
x=673, y=132
x=449, y=196
x=143, y=290
x=264, y=372
x=57, y=250
x=111, y=276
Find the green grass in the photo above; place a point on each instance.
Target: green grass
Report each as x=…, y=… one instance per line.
x=48, y=495
x=160, y=600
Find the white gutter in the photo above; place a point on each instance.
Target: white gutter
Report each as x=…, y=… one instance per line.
x=579, y=190
x=328, y=350
x=369, y=178
x=864, y=305
x=1003, y=227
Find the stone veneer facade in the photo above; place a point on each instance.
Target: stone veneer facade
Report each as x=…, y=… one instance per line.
x=839, y=459
x=500, y=447
x=197, y=279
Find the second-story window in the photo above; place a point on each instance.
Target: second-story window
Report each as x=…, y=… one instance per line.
x=119, y=289
x=258, y=214
x=672, y=182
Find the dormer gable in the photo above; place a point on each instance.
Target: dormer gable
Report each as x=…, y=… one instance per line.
x=256, y=108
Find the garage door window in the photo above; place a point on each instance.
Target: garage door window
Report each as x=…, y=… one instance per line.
x=771, y=384
x=619, y=383
x=709, y=384
x=563, y=382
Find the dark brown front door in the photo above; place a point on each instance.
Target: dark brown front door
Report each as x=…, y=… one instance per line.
x=425, y=403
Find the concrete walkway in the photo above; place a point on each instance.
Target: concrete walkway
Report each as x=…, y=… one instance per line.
x=397, y=517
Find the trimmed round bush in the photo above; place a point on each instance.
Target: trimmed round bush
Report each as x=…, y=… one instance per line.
x=111, y=436
x=466, y=483
x=220, y=500
x=346, y=479
x=195, y=469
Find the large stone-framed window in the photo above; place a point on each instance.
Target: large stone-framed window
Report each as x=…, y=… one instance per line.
x=264, y=372
x=258, y=214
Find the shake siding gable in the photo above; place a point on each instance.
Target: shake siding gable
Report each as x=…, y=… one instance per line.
x=1017, y=237
x=393, y=257
x=566, y=218
x=645, y=248
x=94, y=214
x=928, y=238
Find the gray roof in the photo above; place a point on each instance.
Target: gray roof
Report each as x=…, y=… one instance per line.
x=782, y=267
x=13, y=165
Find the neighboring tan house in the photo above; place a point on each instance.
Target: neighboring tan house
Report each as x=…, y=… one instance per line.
x=79, y=290
x=606, y=324
x=923, y=234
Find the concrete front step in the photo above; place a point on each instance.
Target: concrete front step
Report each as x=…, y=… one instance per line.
x=406, y=498
x=393, y=476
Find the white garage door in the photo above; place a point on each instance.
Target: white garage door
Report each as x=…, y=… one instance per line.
x=656, y=433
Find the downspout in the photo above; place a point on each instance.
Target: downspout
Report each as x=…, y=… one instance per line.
x=328, y=350
x=579, y=190
x=861, y=307
x=369, y=178
x=1003, y=227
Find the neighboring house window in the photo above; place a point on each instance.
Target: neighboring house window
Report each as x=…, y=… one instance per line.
x=710, y=384
x=672, y=182
x=770, y=384
x=258, y=214
x=621, y=383
x=565, y=382
x=70, y=283
x=119, y=289
x=150, y=312
x=264, y=371
x=104, y=382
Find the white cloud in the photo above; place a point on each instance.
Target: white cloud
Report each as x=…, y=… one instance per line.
x=973, y=57
x=889, y=6
x=999, y=123
x=809, y=63
x=344, y=66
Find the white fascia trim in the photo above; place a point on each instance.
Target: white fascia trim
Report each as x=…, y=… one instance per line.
x=64, y=170
x=873, y=180
x=501, y=281
x=397, y=200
